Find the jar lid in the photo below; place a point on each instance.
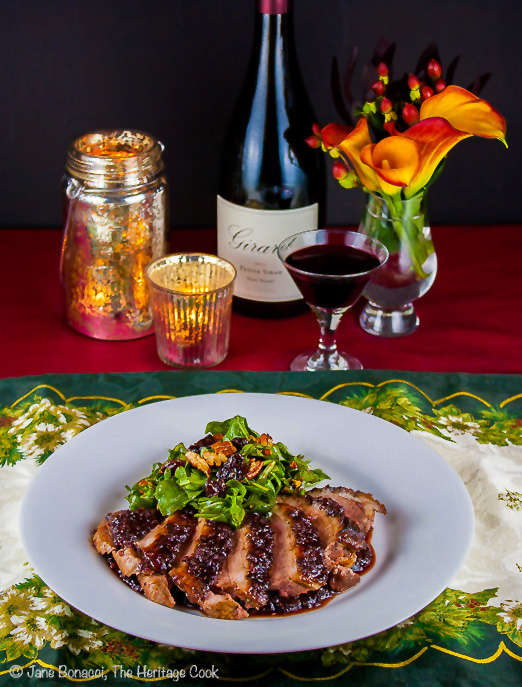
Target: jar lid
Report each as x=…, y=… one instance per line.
x=113, y=158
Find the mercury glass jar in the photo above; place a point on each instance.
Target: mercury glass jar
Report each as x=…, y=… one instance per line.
x=115, y=223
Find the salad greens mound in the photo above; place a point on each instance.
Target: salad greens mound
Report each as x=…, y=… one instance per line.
x=232, y=471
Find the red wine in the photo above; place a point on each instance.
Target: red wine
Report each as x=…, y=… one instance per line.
x=331, y=275
x=271, y=181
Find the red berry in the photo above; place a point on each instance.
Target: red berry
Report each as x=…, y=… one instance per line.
x=313, y=141
x=440, y=85
x=410, y=114
x=426, y=92
x=434, y=69
x=382, y=69
x=377, y=87
x=386, y=105
x=413, y=81
x=339, y=170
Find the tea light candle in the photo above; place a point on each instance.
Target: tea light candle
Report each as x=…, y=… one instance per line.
x=191, y=300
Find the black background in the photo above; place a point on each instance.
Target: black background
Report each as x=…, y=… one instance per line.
x=174, y=68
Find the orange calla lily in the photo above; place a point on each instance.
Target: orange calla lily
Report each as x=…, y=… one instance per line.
x=407, y=160
x=333, y=134
x=352, y=146
x=465, y=112
x=395, y=160
x=434, y=138
x=445, y=119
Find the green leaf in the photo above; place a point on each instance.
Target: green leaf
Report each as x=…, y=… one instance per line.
x=12, y=649
x=170, y=496
x=177, y=452
x=236, y=427
x=142, y=494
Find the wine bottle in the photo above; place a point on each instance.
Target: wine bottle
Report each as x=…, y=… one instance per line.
x=271, y=182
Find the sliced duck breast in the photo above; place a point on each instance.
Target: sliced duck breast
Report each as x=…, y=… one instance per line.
x=102, y=538
x=246, y=572
x=200, y=567
x=341, y=537
x=162, y=546
x=128, y=560
x=156, y=588
x=357, y=505
x=326, y=514
x=127, y=526
x=298, y=565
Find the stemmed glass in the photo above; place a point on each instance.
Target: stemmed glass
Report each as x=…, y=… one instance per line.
x=330, y=267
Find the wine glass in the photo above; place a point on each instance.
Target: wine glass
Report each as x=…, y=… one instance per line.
x=330, y=267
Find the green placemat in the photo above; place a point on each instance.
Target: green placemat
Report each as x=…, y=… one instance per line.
x=471, y=634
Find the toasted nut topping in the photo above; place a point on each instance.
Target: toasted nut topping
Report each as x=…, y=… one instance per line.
x=198, y=462
x=214, y=458
x=255, y=468
x=224, y=447
x=265, y=440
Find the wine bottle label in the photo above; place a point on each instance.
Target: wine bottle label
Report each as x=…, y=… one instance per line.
x=248, y=238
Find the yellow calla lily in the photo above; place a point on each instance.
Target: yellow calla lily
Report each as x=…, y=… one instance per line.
x=395, y=160
x=465, y=112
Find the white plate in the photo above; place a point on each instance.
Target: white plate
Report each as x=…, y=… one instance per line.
x=420, y=545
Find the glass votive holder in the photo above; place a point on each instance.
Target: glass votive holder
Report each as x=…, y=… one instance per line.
x=191, y=303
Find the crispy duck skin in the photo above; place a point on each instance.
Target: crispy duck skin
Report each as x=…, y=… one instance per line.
x=156, y=588
x=102, y=538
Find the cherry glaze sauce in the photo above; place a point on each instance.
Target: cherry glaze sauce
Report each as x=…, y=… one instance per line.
x=331, y=275
x=281, y=606
x=277, y=605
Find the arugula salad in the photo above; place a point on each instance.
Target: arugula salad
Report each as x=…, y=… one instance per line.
x=232, y=471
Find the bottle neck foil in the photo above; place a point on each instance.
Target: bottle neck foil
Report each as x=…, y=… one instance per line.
x=274, y=6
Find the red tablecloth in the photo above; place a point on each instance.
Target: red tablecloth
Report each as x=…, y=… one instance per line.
x=471, y=319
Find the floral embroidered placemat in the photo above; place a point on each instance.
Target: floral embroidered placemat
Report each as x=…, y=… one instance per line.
x=471, y=634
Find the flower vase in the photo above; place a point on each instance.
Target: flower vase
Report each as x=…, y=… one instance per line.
x=403, y=227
